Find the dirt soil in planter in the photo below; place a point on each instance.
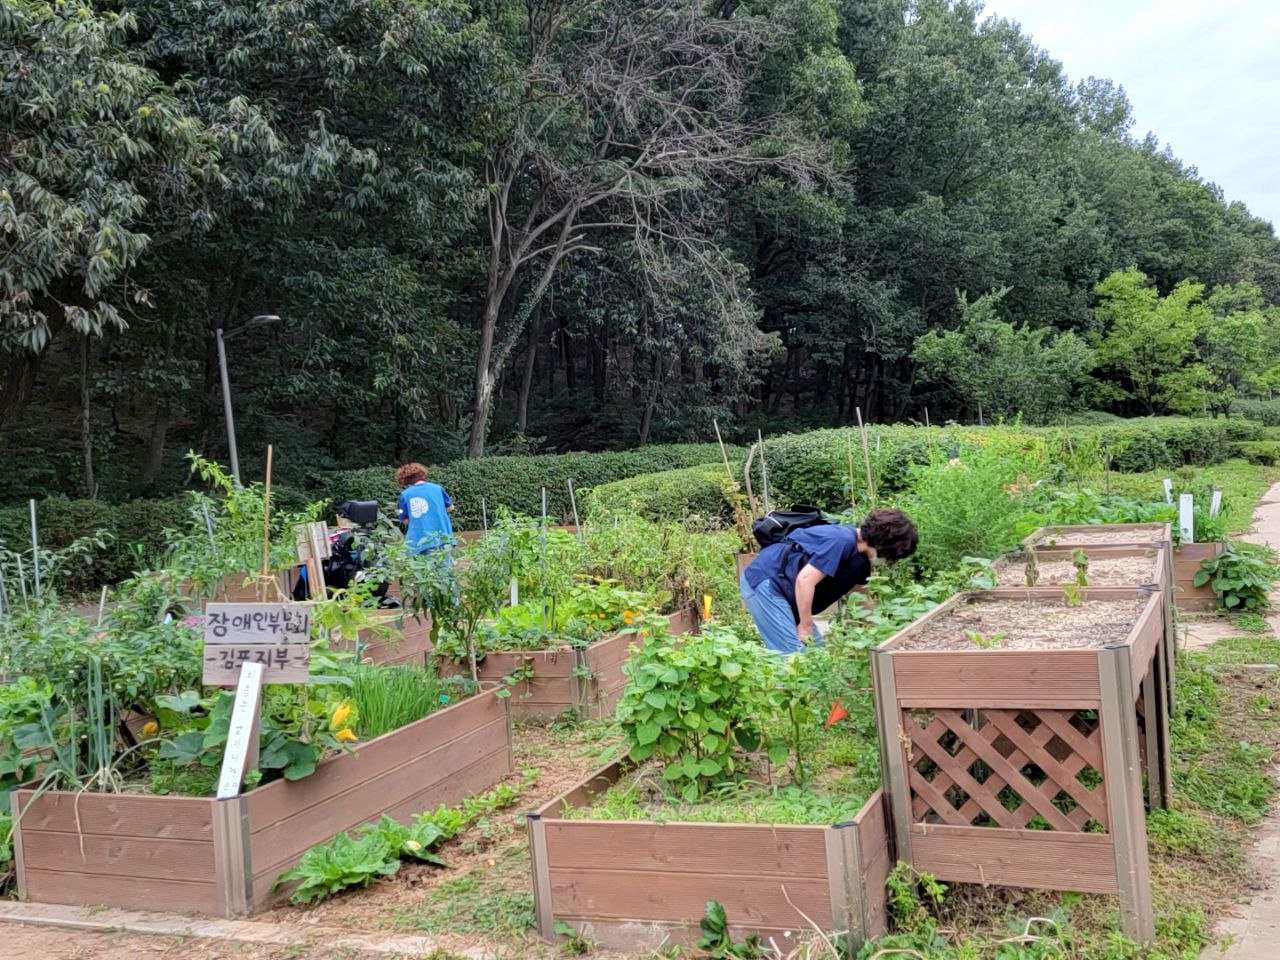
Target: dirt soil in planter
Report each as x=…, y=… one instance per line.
x=1100, y=535
x=1030, y=625
x=1103, y=572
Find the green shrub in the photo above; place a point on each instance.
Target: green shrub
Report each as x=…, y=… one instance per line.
x=516, y=483
x=1264, y=453
x=702, y=491
x=1266, y=412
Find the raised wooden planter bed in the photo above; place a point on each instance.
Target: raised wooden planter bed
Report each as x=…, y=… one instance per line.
x=410, y=642
x=222, y=857
x=1186, y=563
x=587, y=681
x=976, y=744
x=1110, y=576
x=630, y=884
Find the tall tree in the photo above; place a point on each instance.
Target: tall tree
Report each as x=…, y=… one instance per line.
x=99, y=162
x=621, y=115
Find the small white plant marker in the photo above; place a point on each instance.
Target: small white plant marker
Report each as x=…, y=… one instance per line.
x=242, y=739
x=1186, y=517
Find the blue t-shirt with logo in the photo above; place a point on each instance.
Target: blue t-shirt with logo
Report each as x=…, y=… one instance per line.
x=832, y=548
x=426, y=506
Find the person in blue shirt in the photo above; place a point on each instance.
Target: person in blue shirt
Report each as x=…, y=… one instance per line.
x=424, y=510
x=814, y=567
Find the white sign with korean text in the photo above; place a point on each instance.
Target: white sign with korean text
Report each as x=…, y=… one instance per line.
x=277, y=636
x=241, y=753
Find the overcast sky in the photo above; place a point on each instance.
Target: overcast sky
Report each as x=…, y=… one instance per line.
x=1203, y=76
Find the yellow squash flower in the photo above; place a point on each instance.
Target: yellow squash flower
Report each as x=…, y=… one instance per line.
x=347, y=736
x=340, y=716
x=150, y=728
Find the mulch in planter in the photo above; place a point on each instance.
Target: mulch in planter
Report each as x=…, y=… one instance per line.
x=1035, y=624
x=1103, y=572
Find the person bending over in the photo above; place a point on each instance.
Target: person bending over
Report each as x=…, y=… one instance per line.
x=814, y=567
x=424, y=510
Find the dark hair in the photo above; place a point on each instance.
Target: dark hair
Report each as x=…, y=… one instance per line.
x=410, y=474
x=891, y=532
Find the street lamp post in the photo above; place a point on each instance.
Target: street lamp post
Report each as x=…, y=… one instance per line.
x=257, y=321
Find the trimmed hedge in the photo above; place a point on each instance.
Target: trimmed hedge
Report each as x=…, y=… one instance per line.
x=702, y=491
x=1265, y=453
x=133, y=529
x=814, y=467
x=516, y=482
x=1266, y=412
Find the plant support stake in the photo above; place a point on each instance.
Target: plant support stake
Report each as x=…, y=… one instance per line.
x=266, y=518
x=573, y=502
x=35, y=550
x=764, y=473
x=484, y=515
x=866, y=458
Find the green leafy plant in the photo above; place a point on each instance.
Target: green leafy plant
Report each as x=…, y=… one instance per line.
x=348, y=860
x=1080, y=560
x=717, y=941
x=377, y=849
x=1242, y=578
x=576, y=943
x=986, y=643
x=694, y=703
x=1072, y=595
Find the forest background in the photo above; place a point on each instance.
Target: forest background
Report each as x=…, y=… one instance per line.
x=493, y=227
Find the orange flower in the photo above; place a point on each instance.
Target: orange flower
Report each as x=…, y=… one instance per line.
x=150, y=728
x=347, y=736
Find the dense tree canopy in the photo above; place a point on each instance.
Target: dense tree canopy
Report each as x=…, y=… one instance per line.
x=495, y=225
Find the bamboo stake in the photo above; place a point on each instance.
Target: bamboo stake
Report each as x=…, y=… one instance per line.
x=22, y=581
x=723, y=452
x=35, y=549
x=102, y=604
x=764, y=472
x=484, y=515
x=4, y=596
x=573, y=502
x=266, y=521
x=208, y=525
x=853, y=497
x=866, y=457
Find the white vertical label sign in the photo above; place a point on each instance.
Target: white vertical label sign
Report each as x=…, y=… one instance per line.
x=1186, y=517
x=515, y=592
x=242, y=738
x=1216, y=503
x=1168, y=490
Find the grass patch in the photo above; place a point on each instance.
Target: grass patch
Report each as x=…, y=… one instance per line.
x=491, y=900
x=1250, y=622
x=1236, y=650
x=1242, y=485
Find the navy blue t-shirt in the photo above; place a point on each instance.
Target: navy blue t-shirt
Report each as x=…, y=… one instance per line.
x=832, y=548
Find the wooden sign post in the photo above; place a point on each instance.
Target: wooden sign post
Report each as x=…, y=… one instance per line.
x=275, y=635
x=249, y=645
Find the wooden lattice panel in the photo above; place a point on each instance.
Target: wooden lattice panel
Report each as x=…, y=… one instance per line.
x=1004, y=768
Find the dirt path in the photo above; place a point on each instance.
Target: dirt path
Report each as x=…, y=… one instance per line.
x=1254, y=934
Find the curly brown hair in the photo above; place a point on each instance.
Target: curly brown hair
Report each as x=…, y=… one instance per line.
x=410, y=474
x=891, y=532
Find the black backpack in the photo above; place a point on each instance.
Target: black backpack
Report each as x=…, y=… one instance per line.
x=776, y=526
